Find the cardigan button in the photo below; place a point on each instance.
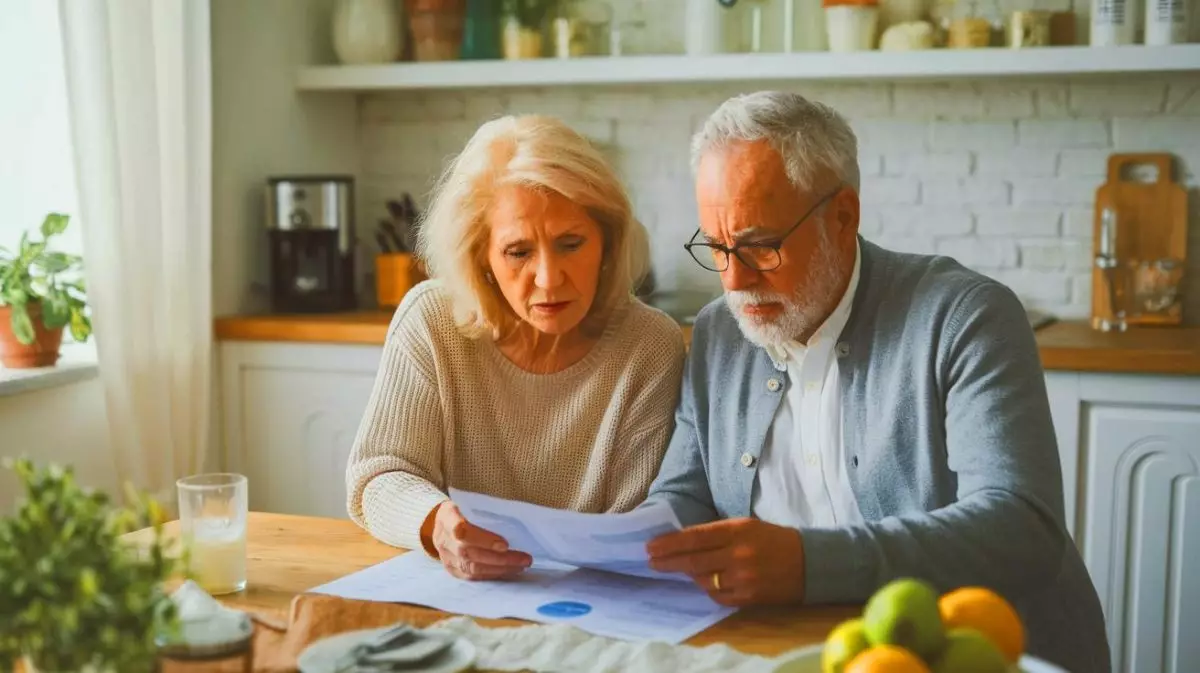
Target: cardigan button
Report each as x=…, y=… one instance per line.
x=843, y=349
x=773, y=384
x=747, y=460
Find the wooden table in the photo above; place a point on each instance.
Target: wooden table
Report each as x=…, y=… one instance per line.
x=289, y=555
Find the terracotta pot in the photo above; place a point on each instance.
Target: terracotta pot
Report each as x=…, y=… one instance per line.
x=437, y=28
x=44, y=350
x=436, y=5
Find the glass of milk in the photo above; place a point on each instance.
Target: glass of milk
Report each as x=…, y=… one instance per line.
x=212, y=518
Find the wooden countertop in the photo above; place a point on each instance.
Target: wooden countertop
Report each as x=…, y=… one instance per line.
x=1141, y=350
x=361, y=327
x=1068, y=345
x=288, y=555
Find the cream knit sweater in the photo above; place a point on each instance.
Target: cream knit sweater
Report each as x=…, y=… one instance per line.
x=447, y=410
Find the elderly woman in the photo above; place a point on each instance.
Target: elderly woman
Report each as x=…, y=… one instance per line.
x=525, y=369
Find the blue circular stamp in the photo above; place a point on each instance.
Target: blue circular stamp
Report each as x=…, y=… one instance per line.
x=564, y=609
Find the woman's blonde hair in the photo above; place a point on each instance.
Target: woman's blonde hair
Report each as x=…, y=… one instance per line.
x=541, y=153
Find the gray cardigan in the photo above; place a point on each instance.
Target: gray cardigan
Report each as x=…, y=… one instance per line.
x=950, y=448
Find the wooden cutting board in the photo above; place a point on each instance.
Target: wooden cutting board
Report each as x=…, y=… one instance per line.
x=1151, y=225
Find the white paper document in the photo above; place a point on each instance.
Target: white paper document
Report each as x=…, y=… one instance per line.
x=603, y=603
x=612, y=542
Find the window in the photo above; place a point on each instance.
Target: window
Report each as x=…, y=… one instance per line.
x=36, y=162
x=37, y=170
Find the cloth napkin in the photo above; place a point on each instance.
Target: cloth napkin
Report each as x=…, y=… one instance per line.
x=537, y=648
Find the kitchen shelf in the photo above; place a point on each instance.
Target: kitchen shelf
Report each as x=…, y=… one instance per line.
x=933, y=64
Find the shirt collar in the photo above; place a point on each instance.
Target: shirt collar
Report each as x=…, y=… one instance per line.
x=833, y=325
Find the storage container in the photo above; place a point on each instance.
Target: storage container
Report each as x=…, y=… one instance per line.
x=1166, y=21
x=851, y=25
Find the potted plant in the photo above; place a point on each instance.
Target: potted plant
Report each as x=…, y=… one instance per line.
x=524, y=25
x=74, y=597
x=41, y=292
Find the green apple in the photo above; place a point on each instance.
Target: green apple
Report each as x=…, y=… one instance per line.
x=969, y=651
x=843, y=644
x=905, y=613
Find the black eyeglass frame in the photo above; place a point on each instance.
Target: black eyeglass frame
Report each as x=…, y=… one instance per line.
x=736, y=249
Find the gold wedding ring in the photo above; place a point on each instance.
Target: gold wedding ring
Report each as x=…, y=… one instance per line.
x=717, y=581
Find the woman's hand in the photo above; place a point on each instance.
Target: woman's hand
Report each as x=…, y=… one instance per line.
x=472, y=553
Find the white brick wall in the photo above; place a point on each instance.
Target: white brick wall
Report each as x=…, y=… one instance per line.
x=1000, y=175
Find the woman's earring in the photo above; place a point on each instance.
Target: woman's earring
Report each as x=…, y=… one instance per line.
x=490, y=278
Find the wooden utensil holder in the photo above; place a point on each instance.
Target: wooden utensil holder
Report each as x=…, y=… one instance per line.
x=395, y=274
x=1151, y=224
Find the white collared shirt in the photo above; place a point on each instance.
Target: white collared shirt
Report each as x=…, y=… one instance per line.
x=802, y=476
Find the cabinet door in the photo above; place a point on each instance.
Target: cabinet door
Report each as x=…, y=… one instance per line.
x=291, y=416
x=1142, y=543
x=1062, y=388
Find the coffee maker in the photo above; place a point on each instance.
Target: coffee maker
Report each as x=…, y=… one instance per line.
x=310, y=227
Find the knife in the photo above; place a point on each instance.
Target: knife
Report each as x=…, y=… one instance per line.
x=383, y=243
x=390, y=229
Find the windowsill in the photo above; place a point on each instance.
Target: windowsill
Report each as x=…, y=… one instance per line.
x=77, y=363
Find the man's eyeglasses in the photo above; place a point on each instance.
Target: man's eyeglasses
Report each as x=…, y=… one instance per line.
x=757, y=255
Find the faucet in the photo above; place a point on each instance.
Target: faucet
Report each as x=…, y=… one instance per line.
x=1109, y=265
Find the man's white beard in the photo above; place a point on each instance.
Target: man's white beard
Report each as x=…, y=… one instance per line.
x=801, y=311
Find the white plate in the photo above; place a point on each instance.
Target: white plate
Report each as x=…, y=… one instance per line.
x=808, y=660
x=322, y=656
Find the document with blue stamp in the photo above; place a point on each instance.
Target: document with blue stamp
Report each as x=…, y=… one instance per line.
x=589, y=570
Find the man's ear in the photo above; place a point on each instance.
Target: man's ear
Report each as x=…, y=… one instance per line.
x=846, y=208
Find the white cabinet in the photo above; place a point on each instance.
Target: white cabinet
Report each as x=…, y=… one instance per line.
x=289, y=415
x=1132, y=447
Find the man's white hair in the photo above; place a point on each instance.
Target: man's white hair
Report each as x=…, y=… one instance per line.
x=808, y=136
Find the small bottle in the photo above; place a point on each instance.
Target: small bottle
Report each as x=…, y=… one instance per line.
x=1166, y=22
x=1114, y=22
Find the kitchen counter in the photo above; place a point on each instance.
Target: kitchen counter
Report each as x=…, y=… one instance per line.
x=1067, y=345
x=1075, y=346
x=359, y=327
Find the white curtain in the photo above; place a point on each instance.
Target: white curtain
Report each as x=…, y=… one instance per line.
x=139, y=84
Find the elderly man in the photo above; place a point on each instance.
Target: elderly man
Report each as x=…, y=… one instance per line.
x=851, y=415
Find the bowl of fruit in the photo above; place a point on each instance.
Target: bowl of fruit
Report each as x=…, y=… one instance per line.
x=907, y=628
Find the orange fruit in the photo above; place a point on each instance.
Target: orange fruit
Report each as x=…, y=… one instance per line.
x=886, y=659
x=987, y=612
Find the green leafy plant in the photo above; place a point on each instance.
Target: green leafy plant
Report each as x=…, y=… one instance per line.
x=52, y=280
x=72, y=594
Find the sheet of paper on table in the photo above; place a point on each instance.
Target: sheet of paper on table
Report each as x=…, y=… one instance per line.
x=599, y=602
x=590, y=570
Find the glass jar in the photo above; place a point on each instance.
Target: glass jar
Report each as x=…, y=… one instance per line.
x=581, y=28
x=524, y=26
x=851, y=25
x=973, y=25
x=481, y=31
x=1028, y=28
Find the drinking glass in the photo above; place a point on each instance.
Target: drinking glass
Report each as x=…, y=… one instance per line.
x=1156, y=284
x=212, y=517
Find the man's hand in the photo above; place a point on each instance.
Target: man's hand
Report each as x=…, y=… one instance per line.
x=472, y=553
x=737, y=561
